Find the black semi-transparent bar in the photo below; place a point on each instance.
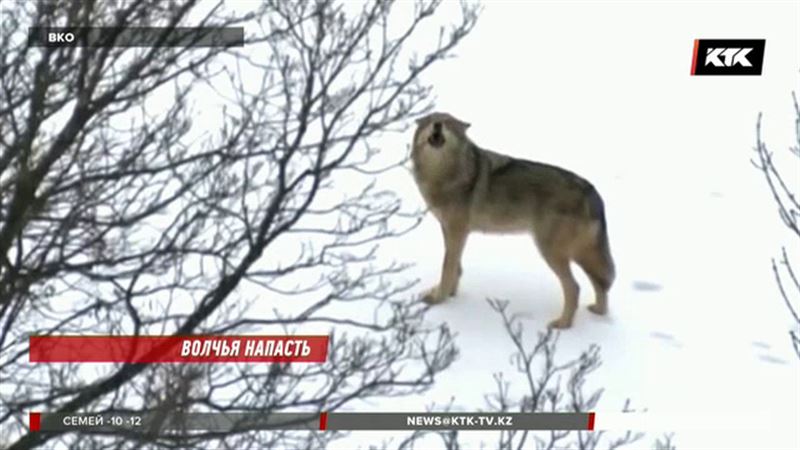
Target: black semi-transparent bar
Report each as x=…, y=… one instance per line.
x=135, y=37
x=164, y=422
x=458, y=421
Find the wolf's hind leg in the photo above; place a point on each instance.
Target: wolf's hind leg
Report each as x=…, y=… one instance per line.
x=559, y=261
x=597, y=263
x=570, y=288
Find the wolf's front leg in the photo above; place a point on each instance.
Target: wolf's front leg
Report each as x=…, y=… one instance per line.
x=455, y=237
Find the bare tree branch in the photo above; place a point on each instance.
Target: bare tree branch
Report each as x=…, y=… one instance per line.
x=122, y=212
x=550, y=387
x=789, y=211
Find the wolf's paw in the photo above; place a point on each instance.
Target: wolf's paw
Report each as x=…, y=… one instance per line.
x=433, y=296
x=560, y=324
x=600, y=310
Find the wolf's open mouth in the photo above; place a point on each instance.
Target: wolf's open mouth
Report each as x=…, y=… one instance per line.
x=436, y=139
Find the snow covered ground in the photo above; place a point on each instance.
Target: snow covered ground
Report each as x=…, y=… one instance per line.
x=697, y=327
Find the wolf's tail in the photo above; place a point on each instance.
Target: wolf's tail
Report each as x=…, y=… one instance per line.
x=605, y=275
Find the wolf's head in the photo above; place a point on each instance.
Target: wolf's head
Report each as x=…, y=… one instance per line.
x=439, y=131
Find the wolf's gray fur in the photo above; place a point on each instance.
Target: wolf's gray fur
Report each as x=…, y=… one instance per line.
x=469, y=188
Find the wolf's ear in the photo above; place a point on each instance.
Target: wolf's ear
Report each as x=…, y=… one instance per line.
x=461, y=124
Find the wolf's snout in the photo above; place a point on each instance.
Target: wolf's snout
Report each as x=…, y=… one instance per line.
x=436, y=138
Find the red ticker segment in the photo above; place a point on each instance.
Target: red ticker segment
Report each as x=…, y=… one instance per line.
x=177, y=349
x=35, y=420
x=323, y=421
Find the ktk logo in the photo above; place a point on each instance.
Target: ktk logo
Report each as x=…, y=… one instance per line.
x=728, y=56
x=732, y=56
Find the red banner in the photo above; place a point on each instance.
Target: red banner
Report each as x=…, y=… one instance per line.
x=183, y=349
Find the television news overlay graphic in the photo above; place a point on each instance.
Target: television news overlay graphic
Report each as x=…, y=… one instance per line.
x=135, y=37
x=166, y=421
x=177, y=349
x=728, y=56
x=229, y=422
